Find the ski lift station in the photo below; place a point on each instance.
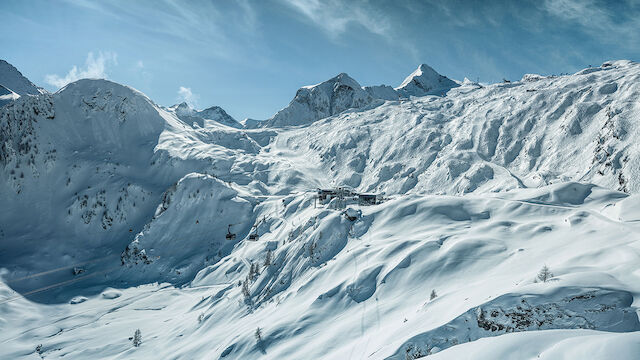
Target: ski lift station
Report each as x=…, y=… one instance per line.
x=347, y=195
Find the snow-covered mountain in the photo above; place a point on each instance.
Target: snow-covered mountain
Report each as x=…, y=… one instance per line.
x=319, y=101
x=508, y=228
x=203, y=118
x=425, y=81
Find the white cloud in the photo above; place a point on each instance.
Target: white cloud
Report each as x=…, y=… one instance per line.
x=95, y=68
x=139, y=65
x=186, y=95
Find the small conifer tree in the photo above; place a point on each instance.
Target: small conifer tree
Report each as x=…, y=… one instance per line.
x=137, y=338
x=267, y=259
x=545, y=274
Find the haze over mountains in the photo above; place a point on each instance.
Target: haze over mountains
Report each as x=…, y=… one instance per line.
x=118, y=214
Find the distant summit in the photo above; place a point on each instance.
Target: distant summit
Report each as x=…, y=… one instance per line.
x=215, y=114
x=331, y=97
x=425, y=81
x=319, y=101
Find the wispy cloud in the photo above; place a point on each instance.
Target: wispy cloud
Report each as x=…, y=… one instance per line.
x=95, y=67
x=602, y=20
x=186, y=95
x=335, y=16
x=222, y=29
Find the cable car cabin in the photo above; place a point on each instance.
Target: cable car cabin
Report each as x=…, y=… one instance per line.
x=254, y=237
x=230, y=235
x=368, y=199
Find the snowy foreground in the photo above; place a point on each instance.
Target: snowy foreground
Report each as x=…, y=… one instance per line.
x=509, y=227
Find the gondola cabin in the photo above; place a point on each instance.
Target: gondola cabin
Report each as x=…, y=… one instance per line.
x=230, y=235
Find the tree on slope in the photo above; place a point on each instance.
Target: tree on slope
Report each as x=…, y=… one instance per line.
x=545, y=274
x=137, y=338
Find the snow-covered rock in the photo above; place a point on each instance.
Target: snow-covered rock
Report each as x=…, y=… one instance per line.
x=425, y=81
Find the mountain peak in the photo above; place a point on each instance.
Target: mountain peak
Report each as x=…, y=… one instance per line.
x=425, y=81
x=322, y=100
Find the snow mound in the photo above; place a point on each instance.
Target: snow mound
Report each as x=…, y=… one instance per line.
x=425, y=81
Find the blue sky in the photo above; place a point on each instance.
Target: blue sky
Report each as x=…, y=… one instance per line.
x=250, y=57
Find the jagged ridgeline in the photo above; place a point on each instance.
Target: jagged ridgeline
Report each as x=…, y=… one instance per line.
x=374, y=222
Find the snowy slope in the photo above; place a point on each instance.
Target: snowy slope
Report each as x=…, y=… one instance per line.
x=337, y=289
x=484, y=185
